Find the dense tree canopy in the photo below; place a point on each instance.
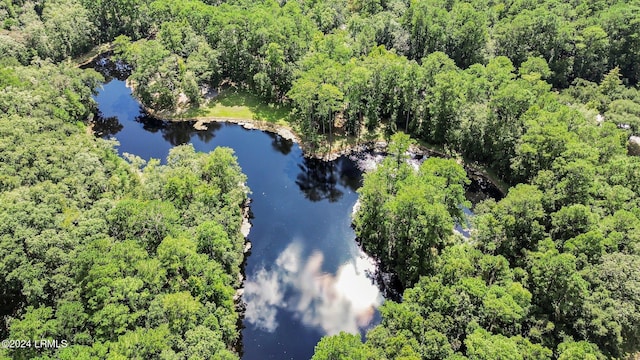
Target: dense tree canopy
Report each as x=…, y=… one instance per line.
x=550, y=271
x=118, y=260
x=140, y=260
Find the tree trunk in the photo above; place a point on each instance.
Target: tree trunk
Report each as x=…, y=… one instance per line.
x=406, y=123
x=330, y=128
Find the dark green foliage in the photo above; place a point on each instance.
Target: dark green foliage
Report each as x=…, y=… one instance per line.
x=132, y=261
x=406, y=217
x=531, y=278
x=513, y=225
x=101, y=254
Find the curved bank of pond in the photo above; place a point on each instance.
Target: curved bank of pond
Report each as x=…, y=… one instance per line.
x=306, y=277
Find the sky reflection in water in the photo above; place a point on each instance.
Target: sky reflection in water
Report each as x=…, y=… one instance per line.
x=305, y=278
x=331, y=303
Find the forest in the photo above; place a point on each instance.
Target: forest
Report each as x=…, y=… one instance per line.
x=140, y=260
x=123, y=260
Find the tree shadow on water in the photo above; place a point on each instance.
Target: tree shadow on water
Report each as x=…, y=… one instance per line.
x=106, y=127
x=109, y=68
x=207, y=135
x=318, y=180
x=281, y=144
x=178, y=133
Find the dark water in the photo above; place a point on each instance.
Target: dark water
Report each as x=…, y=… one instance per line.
x=305, y=276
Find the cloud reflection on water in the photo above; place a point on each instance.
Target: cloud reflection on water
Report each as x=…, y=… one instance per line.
x=331, y=303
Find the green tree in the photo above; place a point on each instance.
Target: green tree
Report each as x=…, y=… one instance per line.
x=513, y=225
x=119, y=17
x=572, y=350
x=341, y=347
x=483, y=345
x=468, y=36
x=557, y=286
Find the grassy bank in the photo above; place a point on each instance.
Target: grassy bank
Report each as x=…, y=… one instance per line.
x=243, y=106
x=239, y=104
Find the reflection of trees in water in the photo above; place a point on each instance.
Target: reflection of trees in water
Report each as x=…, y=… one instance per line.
x=149, y=123
x=106, y=127
x=177, y=133
x=350, y=176
x=108, y=68
x=480, y=189
x=207, y=135
x=318, y=179
x=281, y=144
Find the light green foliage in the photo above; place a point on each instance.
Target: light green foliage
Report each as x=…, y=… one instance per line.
x=572, y=221
x=406, y=217
x=625, y=112
x=99, y=253
x=512, y=225
x=132, y=253
x=341, y=347
x=146, y=221
x=214, y=241
x=469, y=292
x=142, y=344
x=62, y=92
x=204, y=343
x=536, y=68
x=481, y=345
x=570, y=350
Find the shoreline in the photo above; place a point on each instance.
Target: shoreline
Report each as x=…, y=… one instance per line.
x=380, y=146
x=335, y=150
x=473, y=169
x=92, y=54
x=199, y=123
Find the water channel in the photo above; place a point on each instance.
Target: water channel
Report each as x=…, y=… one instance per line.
x=305, y=277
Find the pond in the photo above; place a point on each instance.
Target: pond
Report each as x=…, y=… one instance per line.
x=305, y=276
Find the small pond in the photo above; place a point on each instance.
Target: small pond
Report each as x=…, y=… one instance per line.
x=305, y=276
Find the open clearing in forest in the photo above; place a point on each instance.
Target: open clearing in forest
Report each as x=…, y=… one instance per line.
x=238, y=104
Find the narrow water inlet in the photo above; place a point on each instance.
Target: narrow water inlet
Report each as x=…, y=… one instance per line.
x=304, y=262
x=306, y=277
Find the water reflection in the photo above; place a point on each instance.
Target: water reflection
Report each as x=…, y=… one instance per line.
x=318, y=179
x=281, y=144
x=331, y=303
x=210, y=133
x=318, y=182
x=178, y=134
x=108, y=68
x=315, y=287
x=318, y=284
x=106, y=127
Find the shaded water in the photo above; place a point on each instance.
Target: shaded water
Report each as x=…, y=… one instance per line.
x=305, y=277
